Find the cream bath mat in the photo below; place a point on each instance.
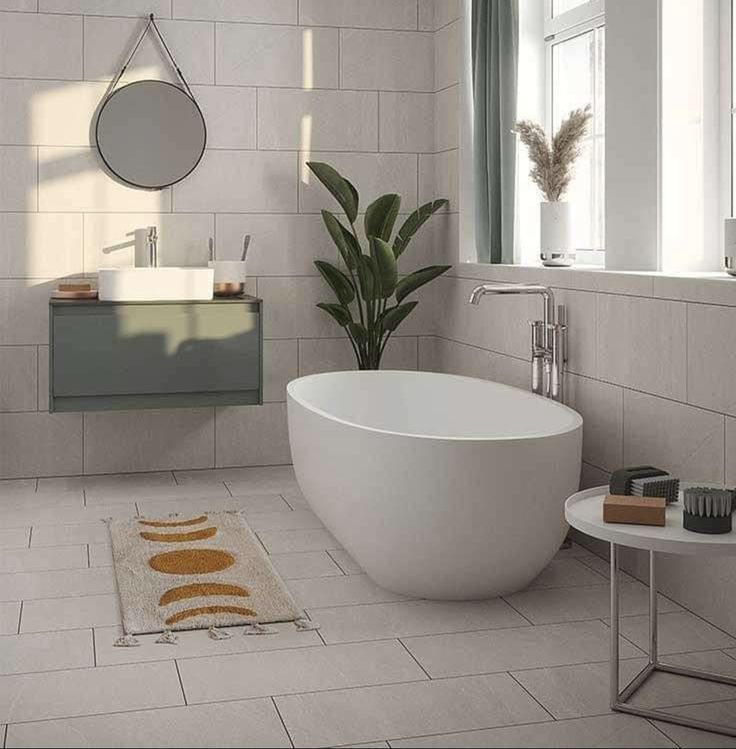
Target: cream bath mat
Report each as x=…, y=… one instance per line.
x=195, y=572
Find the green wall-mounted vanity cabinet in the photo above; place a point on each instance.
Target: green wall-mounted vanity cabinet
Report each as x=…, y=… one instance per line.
x=120, y=355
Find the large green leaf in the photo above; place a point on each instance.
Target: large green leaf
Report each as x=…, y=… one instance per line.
x=368, y=277
x=394, y=316
x=340, y=314
x=415, y=280
x=359, y=333
x=414, y=222
x=343, y=192
x=337, y=281
x=345, y=241
x=388, y=271
x=380, y=216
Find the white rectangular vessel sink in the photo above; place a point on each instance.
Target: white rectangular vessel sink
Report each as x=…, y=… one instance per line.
x=155, y=284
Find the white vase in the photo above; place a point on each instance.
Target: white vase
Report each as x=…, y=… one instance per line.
x=555, y=234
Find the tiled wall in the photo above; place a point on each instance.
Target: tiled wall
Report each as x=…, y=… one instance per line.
x=280, y=81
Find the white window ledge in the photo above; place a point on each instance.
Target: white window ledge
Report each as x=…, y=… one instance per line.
x=703, y=288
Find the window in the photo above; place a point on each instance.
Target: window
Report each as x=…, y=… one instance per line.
x=575, y=65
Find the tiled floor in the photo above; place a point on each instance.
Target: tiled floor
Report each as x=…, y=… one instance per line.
x=384, y=670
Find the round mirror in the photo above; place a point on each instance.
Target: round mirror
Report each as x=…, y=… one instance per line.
x=150, y=134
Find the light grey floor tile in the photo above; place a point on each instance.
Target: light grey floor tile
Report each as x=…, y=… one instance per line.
x=100, y=555
x=346, y=563
x=14, y=538
x=510, y=649
x=379, y=621
x=62, y=535
x=111, y=484
x=67, y=515
x=88, y=691
x=28, y=586
x=78, y=612
x=405, y=710
x=169, y=492
x=548, y=606
x=270, y=503
x=296, y=499
x=575, y=551
x=47, y=499
x=714, y=712
x=563, y=573
x=346, y=590
x=8, y=487
x=282, y=542
x=197, y=644
x=602, y=566
x=9, y=617
x=284, y=521
x=679, y=632
x=579, y=733
x=43, y=558
x=302, y=670
x=305, y=564
x=251, y=723
x=259, y=480
x=48, y=651
x=578, y=691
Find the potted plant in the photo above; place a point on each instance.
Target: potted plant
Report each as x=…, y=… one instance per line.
x=552, y=171
x=371, y=296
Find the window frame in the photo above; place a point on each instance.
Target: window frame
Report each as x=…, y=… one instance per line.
x=580, y=20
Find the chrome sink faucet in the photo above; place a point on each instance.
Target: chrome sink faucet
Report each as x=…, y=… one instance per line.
x=152, y=246
x=549, y=337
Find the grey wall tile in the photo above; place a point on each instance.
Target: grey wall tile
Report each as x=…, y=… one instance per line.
x=447, y=55
x=317, y=120
x=23, y=35
x=40, y=444
x=642, y=344
x=442, y=355
x=336, y=354
x=136, y=8
x=377, y=14
x=264, y=55
x=687, y=441
x=386, y=60
x=252, y=436
x=447, y=118
x=240, y=182
x=107, y=39
x=254, y=11
x=40, y=245
x=18, y=183
x=602, y=407
x=148, y=440
x=407, y=122
x=43, y=378
x=711, y=353
x=24, y=311
x=581, y=308
x=18, y=368
x=280, y=366
x=230, y=114
x=48, y=113
x=372, y=174
x=282, y=245
x=439, y=177
x=730, y=451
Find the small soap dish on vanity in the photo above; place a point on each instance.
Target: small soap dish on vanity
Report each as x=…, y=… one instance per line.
x=81, y=290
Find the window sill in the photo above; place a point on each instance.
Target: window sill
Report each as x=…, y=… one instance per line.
x=703, y=288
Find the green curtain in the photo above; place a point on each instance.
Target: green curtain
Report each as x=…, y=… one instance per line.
x=495, y=51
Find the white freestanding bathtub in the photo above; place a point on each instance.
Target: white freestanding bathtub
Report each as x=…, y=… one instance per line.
x=439, y=486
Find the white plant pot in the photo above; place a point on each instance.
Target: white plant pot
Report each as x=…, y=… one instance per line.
x=555, y=234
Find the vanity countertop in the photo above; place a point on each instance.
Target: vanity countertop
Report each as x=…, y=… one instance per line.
x=216, y=300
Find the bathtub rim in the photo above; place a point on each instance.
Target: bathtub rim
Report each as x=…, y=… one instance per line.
x=577, y=418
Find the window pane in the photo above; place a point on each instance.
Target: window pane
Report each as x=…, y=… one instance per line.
x=562, y=6
x=577, y=80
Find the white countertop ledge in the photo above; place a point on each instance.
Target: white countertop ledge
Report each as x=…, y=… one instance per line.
x=703, y=288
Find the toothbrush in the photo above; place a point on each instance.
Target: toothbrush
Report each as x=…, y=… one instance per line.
x=246, y=244
x=211, y=245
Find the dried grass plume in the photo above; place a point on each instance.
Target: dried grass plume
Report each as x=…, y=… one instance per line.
x=552, y=162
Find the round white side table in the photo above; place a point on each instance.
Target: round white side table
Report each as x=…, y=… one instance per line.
x=584, y=511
